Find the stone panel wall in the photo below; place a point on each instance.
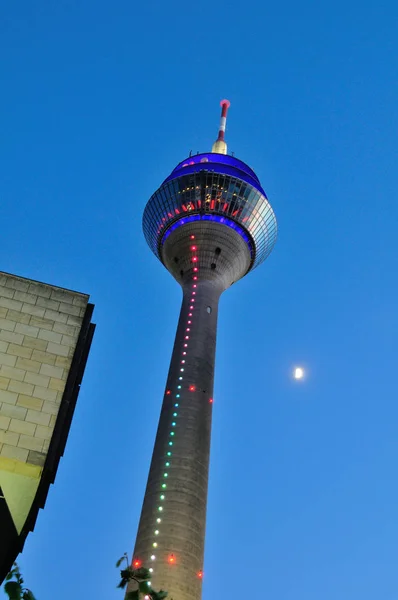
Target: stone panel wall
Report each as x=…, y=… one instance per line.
x=39, y=328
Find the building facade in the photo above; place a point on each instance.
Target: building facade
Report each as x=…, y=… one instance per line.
x=209, y=223
x=45, y=337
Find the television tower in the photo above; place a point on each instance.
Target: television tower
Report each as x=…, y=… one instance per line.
x=209, y=223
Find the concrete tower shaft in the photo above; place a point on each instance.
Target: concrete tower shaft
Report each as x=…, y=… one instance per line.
x=171, y=532
x=209, y=223
x=205, y=258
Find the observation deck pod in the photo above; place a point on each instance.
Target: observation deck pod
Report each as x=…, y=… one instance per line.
x=212, y=189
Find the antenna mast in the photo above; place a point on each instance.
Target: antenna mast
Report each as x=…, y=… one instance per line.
x=220, y=146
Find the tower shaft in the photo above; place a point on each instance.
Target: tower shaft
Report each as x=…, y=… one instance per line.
x=176, y=491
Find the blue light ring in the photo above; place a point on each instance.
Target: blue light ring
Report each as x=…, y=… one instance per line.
x=218, y=159
x=216, y=217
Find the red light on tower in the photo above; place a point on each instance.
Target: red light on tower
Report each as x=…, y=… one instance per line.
x=193, y=247
x=192, y=388
x=211, y=400
x=171, y=559
x=168, y=392
x=192, y=237
x=137, y=563
x=200, y=574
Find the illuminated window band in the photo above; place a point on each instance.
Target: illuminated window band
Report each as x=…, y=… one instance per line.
x=229, y=164
x=217, y=219
x=211, y=192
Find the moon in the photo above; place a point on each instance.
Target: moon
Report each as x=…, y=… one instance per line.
x=298, y=373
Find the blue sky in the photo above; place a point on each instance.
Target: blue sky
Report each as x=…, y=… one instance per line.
x=99, y=102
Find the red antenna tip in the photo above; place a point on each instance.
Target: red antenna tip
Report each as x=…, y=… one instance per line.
x=219, y=146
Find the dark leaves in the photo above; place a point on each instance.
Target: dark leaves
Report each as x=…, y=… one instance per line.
x=119, y=562
x=123, y=583
x=142, y=574
x=126, y=576
x=13, y=589
x=127, y=573
x=141, y=577
x=144, y=587
x=158, y=595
